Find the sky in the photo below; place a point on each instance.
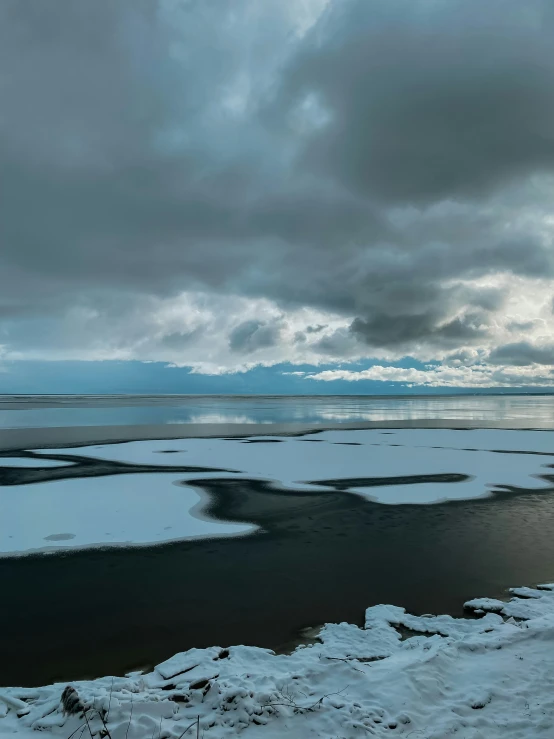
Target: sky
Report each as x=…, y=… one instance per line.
x=357, y=191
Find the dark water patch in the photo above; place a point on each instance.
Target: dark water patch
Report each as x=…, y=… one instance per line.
x=269, y=505
x=347, y=483
x=508, y=451
x=87, y=467
x=319, y=556
x=262, y=441
x=59, y=537
x=491, y=451
x=462, y=449
x=348, y=443
x=24, y=454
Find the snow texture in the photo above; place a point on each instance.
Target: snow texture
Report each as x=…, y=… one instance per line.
x=486, y=678
x=132, y=509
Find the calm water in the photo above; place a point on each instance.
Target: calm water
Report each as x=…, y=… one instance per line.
x=44, y=411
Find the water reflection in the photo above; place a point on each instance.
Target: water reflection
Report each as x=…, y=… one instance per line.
x=40, y=411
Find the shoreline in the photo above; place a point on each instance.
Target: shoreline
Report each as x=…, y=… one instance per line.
x=491, y=672
x=52, y=437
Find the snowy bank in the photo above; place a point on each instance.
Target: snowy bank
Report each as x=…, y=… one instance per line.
x=473, y=678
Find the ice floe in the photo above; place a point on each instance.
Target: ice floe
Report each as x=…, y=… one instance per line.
x=137, y=509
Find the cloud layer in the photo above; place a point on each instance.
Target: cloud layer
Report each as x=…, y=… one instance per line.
x=220, y=185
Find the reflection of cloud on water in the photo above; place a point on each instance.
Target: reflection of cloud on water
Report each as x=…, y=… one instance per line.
x=217, y=418
x=351, y=416
x=529, y=411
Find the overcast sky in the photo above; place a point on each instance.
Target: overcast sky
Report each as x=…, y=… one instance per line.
x=225, y=184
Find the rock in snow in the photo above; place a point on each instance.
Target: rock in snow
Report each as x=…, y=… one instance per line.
x=471, y=678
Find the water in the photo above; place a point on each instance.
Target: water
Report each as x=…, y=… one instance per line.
x=73, y=410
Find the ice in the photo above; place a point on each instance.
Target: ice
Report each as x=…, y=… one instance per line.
x=19, y=706
x=533, y=604
x=364, y=454
x=31, y=462
x=137, y=509
x=488, y=678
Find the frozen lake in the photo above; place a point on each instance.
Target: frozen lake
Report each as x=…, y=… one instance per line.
x=195, y=541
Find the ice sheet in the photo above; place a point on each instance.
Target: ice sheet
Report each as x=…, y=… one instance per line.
x=104, y=511
x=335, y=455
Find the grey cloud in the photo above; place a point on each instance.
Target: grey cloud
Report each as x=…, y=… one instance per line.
x=393, y=330
x=151, y=148
x=463, y=357
x=489, y=299
x=521, y=325
x=340, y=343
x=429, y=100
x=521, y=354
x=181, y=339
x=252, y=335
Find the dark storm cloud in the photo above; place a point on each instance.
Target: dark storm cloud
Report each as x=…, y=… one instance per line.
x=429, y=100
x=522, y=354
x=148, y=148
x=388, y=330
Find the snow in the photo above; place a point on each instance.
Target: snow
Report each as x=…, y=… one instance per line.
x=30, y=462
x=363, y=454
x=487, y=678
x=136, y=509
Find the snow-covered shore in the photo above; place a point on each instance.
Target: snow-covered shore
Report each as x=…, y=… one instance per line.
x=471, y=678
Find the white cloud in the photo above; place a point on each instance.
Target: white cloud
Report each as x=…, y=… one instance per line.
x=192, y=329
x=195, y=329
x=480, y=376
